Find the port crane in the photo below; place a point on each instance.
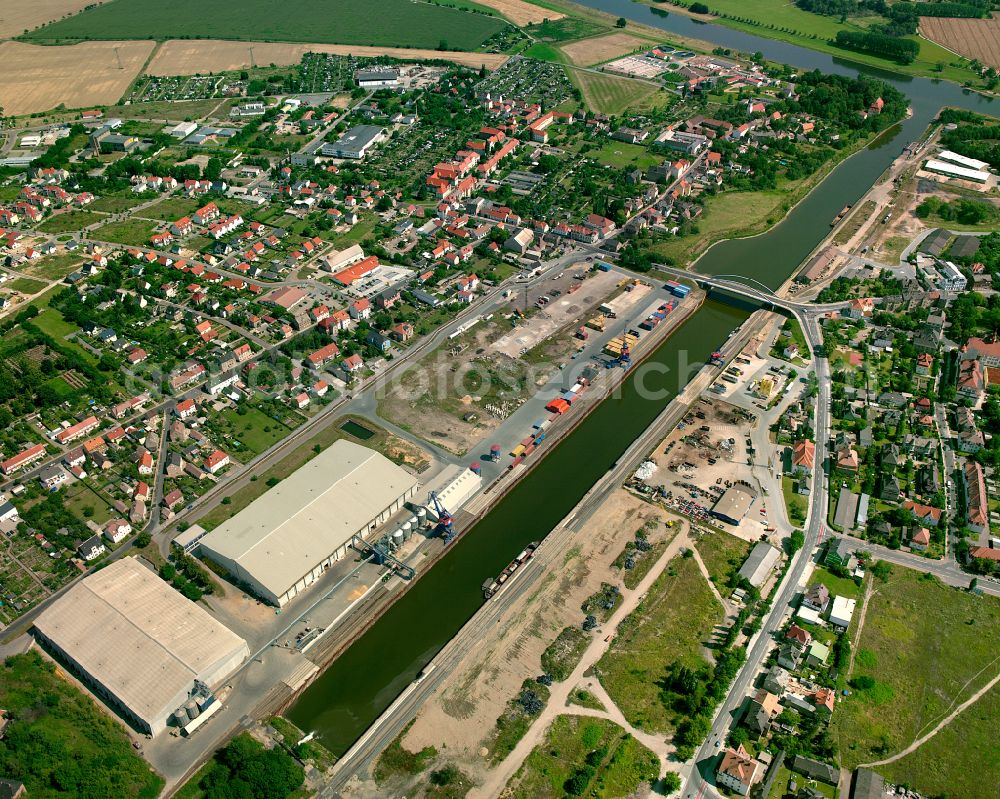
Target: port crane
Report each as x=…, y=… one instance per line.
x=445, y=521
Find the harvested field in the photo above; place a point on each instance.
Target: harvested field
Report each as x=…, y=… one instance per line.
x=973, y=38
x=520, y=12
x=587, y=52
x=183, y=57
x=18, y=16
x=40, y=78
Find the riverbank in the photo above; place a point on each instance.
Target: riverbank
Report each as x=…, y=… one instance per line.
x=784, y=22
x=738, y=206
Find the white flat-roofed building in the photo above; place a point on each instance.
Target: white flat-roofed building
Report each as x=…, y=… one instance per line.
x=284, y=541
x=138, y=643
x=961, y=160
x=955, y=171
x=842, y=611
x=950, y=277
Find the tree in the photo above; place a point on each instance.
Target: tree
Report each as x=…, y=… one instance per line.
x=796, y=541
x=670, y=783
x=621, y=23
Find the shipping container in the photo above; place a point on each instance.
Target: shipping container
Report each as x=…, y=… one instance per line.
x=681, y=291
x=569, y=396
x=603, y=266
x=538, y=424
x=528, y=450
x=517, y=451
x=671, y=285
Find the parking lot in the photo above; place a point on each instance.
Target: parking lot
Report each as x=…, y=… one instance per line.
x=557, y=302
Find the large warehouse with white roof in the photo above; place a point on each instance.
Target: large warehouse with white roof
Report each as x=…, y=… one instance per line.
x=284, y=541
x=138, y=643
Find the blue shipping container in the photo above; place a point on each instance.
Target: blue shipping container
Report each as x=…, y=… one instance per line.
x=569, y=396
x=681, y=291
x=603, y=266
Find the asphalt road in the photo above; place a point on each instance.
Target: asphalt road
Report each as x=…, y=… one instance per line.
x=701, y=778
x=364, y=753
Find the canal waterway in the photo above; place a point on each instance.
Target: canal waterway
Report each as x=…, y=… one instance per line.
x=368, y=676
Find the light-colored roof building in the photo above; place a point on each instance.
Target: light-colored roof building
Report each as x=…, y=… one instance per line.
x=283, y=541
x=842, y=611
x=138, y=642
x=759, y=564
x=734, y=504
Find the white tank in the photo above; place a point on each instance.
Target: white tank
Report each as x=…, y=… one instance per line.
x=421, y=516
x=191, y=708
x=398, y=537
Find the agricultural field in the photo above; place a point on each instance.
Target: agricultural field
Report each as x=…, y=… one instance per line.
x=672, y=624
x=973, y=38
x=41, y=78
x=399, y=23
x=520, y=12
x=588, y=52
x=604, y=94
x=200, y=57
x=20, y=16
x=595, y=757
x=784, y=21
x=924, y=648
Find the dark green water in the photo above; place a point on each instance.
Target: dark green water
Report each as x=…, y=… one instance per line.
x=357, y=430
x=365, y=680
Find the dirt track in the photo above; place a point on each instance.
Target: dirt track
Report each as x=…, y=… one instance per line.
x=183, y=57
x=37, y=78
x=973, y=38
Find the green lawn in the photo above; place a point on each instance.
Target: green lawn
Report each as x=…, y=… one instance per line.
x=69, y=221
x=171, y=209
x=723, y=555
x=928, y=647
x=134, y=232
x=51, y=321
x=958, y=761
x=114, y=205
x=60, y=744
x=839, y=586
x=796, y=504
x=254, y=430
x=605, y=94
x=671, y=624
x=618, y=763
x=26, y=285
x=621, y=154
x=54, y=267
x=399, y=22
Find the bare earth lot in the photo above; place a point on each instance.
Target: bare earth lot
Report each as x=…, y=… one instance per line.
x=463, y=712
x=520, y=12
x=40, y=78
x=973, y=38
x=182, y=57
x=602, y=48
x=17, y=16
